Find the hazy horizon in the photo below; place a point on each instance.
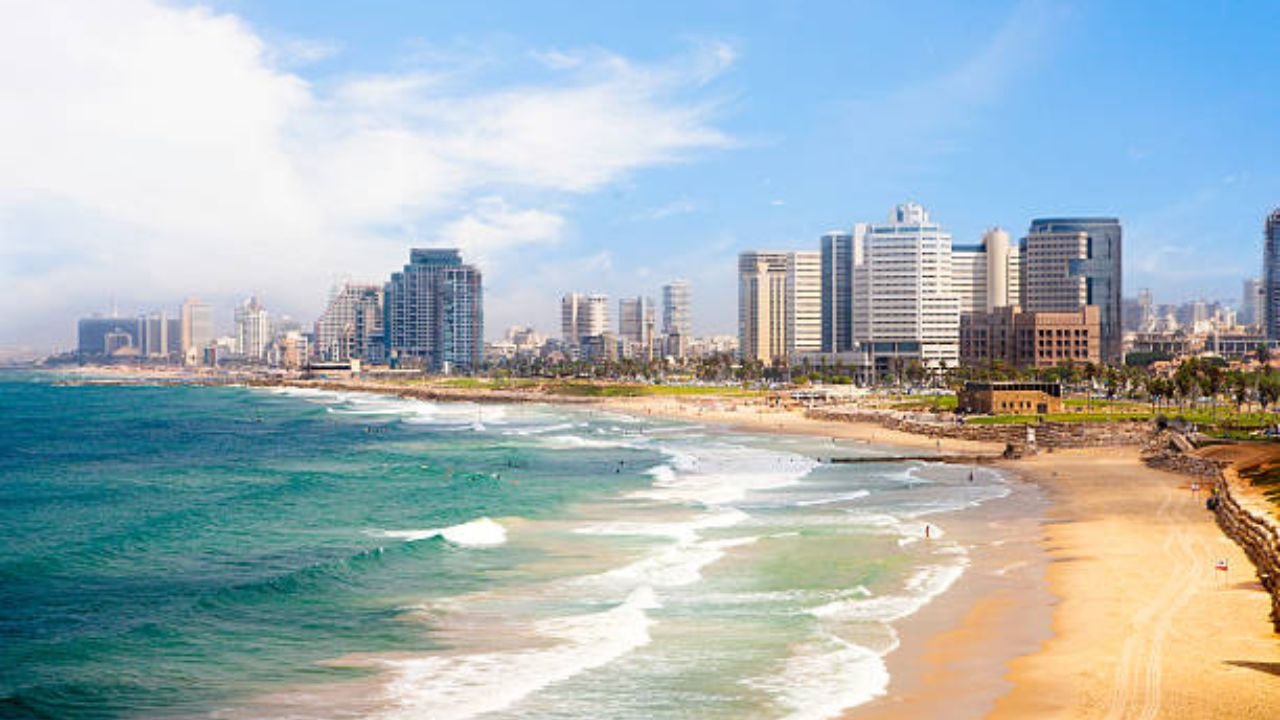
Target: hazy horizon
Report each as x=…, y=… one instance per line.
x=158, y=150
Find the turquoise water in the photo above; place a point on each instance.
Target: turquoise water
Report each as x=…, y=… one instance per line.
x=176, y=551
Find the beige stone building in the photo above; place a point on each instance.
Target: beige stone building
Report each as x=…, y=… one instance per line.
x=1030, y=339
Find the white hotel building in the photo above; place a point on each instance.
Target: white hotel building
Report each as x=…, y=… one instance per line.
x=988, y=275
x=905, y=305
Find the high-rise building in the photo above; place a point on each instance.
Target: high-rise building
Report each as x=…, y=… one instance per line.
x=677, y=322
x=583, y=316
x=106, y=336
x=904, y=306
x=433, y=312
x=1271, y=276
x=350, y=328
x=1251, y=303
x=253, y=330
x=838, y=258
x=804, y=302
x=1074, y=262
x=762, y=306
x=986, y=276
x=637, y=325
x=197, y=330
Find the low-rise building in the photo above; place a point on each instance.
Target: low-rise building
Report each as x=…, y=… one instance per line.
x=1010, y=398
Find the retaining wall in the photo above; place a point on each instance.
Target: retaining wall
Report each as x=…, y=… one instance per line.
x=1255, y=530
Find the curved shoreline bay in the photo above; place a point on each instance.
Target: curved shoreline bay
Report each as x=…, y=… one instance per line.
x=296, y=552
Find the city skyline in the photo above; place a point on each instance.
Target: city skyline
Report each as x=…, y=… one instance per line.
x=627, y=145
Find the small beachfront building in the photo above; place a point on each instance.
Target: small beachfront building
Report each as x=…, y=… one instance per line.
x=1010, y=398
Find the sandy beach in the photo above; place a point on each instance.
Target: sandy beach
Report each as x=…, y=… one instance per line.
x=759, y=418
x=1144, y=626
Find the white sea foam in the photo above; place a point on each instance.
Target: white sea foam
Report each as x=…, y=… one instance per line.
x=686, y=532
x=477, y=533
x=453, y=687
x=539, y=429
x=723, y=474
x=845, y=497
x=674, y=566
x=577, y=442
x=923, y=586
x=825, y=676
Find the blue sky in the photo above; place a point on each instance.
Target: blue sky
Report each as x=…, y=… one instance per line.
x=278, y=147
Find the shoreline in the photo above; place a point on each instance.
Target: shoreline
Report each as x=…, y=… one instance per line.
x=964, y=630
x=1113, y=610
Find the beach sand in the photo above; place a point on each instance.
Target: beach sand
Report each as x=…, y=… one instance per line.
x=759, y=418
x=1144, y=627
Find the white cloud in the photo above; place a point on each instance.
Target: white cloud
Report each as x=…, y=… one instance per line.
x=148, y=146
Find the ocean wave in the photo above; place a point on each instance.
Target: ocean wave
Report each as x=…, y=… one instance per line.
x=481, y=532
x=825, y=676
x=674, y=566
x=722, y=474
x=577, y=442
x=922, y=587
x=845, y=497
x=455, y=687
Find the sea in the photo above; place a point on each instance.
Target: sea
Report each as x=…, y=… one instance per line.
x=230, y=552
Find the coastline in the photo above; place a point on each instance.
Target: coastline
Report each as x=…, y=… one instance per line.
x=1106, y=606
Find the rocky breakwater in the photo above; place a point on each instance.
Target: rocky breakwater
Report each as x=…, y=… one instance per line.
x=1045, y=435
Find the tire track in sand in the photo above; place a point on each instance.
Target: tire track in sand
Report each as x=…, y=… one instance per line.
x=1136, y=692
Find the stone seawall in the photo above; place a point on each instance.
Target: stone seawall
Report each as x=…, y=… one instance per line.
x=1047, y=435
x=1253, y=527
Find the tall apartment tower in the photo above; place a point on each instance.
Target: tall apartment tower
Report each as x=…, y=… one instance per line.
x=804, y=302
x=1271, y=276
x=762, y=305
x=986, y=276
x=677, y=321
x=637, y=324
x=676, y=318
x=433, y=312
x=253, y=329
x=904, y=305
x=839, y=251
x=1074, y=262
x=197, y=330
x=1251, y=303
x=350, y=328
x=583, y=316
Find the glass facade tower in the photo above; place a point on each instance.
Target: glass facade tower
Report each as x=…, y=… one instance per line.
x=434, y=313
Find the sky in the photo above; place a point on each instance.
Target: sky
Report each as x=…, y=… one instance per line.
x=154, y=150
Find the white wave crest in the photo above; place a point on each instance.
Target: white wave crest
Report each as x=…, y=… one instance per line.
x=477, y=533
x=454, y=687
x=824, y=677
x=855, y=495
x=927, y=583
